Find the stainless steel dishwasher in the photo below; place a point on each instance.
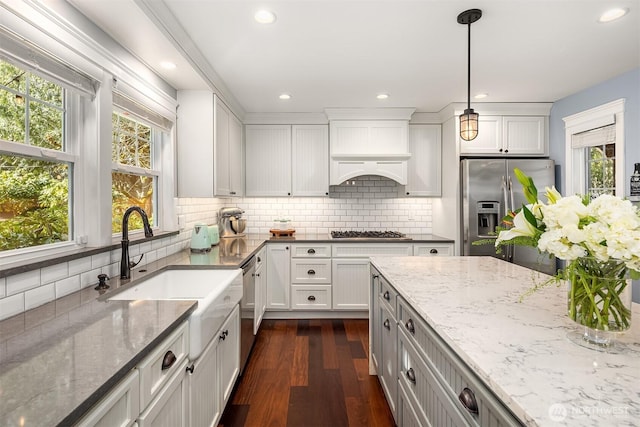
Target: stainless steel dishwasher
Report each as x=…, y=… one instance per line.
x=247, y=310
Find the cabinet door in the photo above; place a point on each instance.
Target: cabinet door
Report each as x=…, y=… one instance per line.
x=229, y=355
x=368, y=136
x=310, y=153
x=525, y=135
x=375, y=325
x=433, y=249
x=194, y=143
x=268, y=160
x=261, y=291
x=278, y=276
x=236, y=161
x=204, y=396
x=388, y=373
x=221, y=148
x=350, y=280
x=424, y=167
x=489, y=139
x=169, y=409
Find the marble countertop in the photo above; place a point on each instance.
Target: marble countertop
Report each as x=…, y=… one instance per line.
x=520, y=348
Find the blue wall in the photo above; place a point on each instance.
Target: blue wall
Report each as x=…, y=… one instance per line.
x=625, y=86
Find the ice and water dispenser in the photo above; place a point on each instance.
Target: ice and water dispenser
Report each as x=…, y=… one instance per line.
x=487, y=218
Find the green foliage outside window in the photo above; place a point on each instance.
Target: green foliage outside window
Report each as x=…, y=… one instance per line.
x=34, y=193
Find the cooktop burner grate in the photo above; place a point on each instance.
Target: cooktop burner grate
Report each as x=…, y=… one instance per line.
x=367, y=235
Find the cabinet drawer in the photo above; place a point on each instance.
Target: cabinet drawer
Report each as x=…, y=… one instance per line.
x=423, y=390
x=311, y=271
x=388, y=296
x=311, y=251
x=451, y=372
x=152, y=376
x=309, y=297
x=365, y=250
x=169, y=408
x=433, y=249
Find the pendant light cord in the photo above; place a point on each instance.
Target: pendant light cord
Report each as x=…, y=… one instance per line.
x=469, y=66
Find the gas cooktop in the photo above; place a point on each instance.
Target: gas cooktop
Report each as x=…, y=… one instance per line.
x=368, y=235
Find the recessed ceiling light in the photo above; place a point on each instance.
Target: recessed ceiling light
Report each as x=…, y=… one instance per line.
x=168, y=65
x=382, y=96
x=265, y=17
x=613, y=14
x=285, y=96
x=481, y=95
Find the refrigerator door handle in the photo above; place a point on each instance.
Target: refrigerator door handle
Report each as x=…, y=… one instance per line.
x=513, y=204
x=504, y=194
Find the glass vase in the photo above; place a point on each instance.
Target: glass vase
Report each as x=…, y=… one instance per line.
x=599, y=300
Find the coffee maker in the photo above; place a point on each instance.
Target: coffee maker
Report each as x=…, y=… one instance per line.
x=231, y=223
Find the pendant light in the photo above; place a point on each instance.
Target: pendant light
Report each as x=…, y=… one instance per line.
x=469, y=119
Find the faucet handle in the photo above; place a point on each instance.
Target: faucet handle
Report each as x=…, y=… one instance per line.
x=133, y=264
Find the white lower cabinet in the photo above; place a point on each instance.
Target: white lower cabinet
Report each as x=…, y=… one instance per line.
x=278, y=276
x=169, y=408
x=212, y=377
x=119, y=408
x=350, y=279
x=260, y=289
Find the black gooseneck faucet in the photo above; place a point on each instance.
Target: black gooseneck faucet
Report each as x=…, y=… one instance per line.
x=125, y=263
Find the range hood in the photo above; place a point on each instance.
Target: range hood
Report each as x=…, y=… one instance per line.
x=368, y=142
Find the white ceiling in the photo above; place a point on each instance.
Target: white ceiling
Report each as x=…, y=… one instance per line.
x=341, y=53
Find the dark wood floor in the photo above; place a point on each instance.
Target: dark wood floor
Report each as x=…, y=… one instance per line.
x=309, y=373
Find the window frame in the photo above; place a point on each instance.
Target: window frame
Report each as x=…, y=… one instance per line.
x=594, y=118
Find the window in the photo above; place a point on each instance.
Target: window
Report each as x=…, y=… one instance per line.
x=35, y=161
x=595, y=151
x=134, y=180
x=599, y=146
x=139, y=136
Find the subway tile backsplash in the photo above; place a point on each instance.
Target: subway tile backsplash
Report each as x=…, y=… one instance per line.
x=372, y=203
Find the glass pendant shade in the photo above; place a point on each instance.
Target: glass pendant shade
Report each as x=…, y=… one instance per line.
x=468, y=124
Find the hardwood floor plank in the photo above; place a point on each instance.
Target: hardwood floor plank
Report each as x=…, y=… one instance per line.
x=329, y=353
x=300, y=367
x=234, y=416
x=319, y=405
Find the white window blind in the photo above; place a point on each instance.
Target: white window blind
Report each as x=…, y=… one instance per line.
x=22, y=53
x=142, y=112
x=600, y=136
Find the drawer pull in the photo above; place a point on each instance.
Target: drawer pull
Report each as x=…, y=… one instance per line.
x=386, y=324
x=433, y=251
x=410, y=326
x=386, y=295
x=311, y=272
x=168, y=360
x=311, y=251
x=375, y=276
x=411, y=375
x=311, y=298
x=468, y=400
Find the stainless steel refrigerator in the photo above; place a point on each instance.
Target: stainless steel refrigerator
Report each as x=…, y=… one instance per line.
x=489, y=190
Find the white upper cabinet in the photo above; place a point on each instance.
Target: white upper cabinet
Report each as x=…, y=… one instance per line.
x=209, y=147
x=268, y=160
x=228, y=177
x=285, y=160
x=509, y=136
x=424, y=176
x=310, y=153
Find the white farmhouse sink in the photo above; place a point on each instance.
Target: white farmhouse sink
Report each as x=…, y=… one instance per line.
x=217, y=292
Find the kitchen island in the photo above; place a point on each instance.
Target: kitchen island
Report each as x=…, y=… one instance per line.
x=519, y=347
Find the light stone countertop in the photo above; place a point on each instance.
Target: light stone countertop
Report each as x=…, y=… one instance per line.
x=520, y=349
